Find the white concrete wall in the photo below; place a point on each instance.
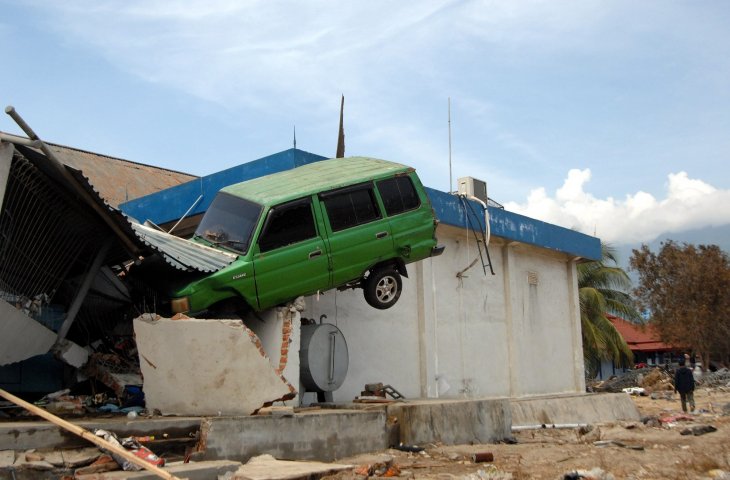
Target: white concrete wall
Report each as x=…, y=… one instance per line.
x=478, y=336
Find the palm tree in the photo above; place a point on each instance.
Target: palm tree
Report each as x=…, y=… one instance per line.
x=603, y=287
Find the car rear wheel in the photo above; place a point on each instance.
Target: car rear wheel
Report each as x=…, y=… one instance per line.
x=382, y=288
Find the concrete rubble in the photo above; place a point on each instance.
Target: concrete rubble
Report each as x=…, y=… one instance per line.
x=266, y=467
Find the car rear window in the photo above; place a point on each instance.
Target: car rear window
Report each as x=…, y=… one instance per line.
x=398, y=194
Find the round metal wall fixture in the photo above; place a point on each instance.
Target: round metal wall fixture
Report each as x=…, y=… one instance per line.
x=323, y=358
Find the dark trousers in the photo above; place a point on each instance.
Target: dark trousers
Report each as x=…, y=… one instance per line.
x=687, y=397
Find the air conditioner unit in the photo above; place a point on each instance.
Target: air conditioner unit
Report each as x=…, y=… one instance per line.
x=472, y=187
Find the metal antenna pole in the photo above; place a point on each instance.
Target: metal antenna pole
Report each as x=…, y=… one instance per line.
x=450, y=179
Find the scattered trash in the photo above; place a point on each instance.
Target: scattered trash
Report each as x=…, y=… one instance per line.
x=607, y=443
x=698, y=430
x=594, y=474
x=482, y=457
x=379, y=469
x=376, y=393
x=131, y=444
x=671, y=419
x=634, y=391
x=409, y=448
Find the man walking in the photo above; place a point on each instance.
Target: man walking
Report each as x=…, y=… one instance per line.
x=684, y=383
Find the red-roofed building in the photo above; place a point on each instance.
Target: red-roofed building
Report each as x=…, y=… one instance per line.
x=644, y=342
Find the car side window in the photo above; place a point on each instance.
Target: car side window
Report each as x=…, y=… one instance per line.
x=398, y=194
x=351, y=206
x=288, y=223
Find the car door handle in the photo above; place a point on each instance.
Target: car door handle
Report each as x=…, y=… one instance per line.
x=315, y=253
x=381, y=234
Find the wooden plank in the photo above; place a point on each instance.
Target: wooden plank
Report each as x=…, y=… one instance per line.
x=87, y=435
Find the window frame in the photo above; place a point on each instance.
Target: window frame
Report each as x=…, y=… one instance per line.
x=273, y=211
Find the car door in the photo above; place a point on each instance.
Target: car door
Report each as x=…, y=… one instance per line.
x=358, y=234
x=290, y=256
x=410, y=216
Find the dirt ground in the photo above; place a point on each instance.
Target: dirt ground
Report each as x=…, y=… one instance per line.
x=641, y=451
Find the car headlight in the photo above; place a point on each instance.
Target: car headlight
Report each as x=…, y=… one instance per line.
x=180, y=305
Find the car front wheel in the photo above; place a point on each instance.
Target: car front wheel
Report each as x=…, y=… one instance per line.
x=382, y=288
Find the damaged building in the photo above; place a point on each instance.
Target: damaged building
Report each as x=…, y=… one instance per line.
x=472, y=323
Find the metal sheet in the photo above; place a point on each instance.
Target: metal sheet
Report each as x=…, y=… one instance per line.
x=183, y=254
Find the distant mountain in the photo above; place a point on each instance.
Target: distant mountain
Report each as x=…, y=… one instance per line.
x=704, y=236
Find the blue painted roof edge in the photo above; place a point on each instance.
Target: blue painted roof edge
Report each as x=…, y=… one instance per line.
x=452, y=210
x=172, y=203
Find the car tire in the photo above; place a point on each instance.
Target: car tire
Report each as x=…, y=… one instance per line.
x=382, y=288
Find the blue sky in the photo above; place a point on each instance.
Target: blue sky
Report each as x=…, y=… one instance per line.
x=609, y=117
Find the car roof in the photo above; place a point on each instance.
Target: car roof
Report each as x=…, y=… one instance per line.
x=314, y=178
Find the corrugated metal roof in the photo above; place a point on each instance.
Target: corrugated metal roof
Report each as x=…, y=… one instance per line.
x=183, y=254
x=177, y=252
x=313, y=178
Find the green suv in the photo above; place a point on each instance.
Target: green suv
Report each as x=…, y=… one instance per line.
x=339, y=223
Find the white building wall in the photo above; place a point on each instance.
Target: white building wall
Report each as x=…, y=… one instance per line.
x=511, y=334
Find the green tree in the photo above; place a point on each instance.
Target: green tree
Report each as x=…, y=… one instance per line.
x=603, y=288
x=687, y=290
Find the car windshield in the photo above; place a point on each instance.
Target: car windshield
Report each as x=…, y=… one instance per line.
x=229, y=222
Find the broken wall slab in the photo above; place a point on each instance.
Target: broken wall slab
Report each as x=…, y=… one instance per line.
x=323, y=436
x=453, y=422
x=574, y=408
x=205, y=367
x=21, y=337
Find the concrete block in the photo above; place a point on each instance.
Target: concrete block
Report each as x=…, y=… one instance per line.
x=71, y=353
x=266, y=467
x=189, y=471
x=574, y=408
x=205, y=367
x=453, y=422
x=323, y=436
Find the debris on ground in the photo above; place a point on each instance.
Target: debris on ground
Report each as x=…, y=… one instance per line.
x=698, y=430
x=616, y=443
x=720, y=378
x=378, y=393
x=634, y=391
x=135, y=447
x=269, y=468
x=594, y=474
x=637, y=382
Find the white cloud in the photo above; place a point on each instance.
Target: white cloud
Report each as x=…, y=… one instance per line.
x=689, y=204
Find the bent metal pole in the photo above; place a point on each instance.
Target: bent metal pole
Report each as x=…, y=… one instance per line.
x=87, y=435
